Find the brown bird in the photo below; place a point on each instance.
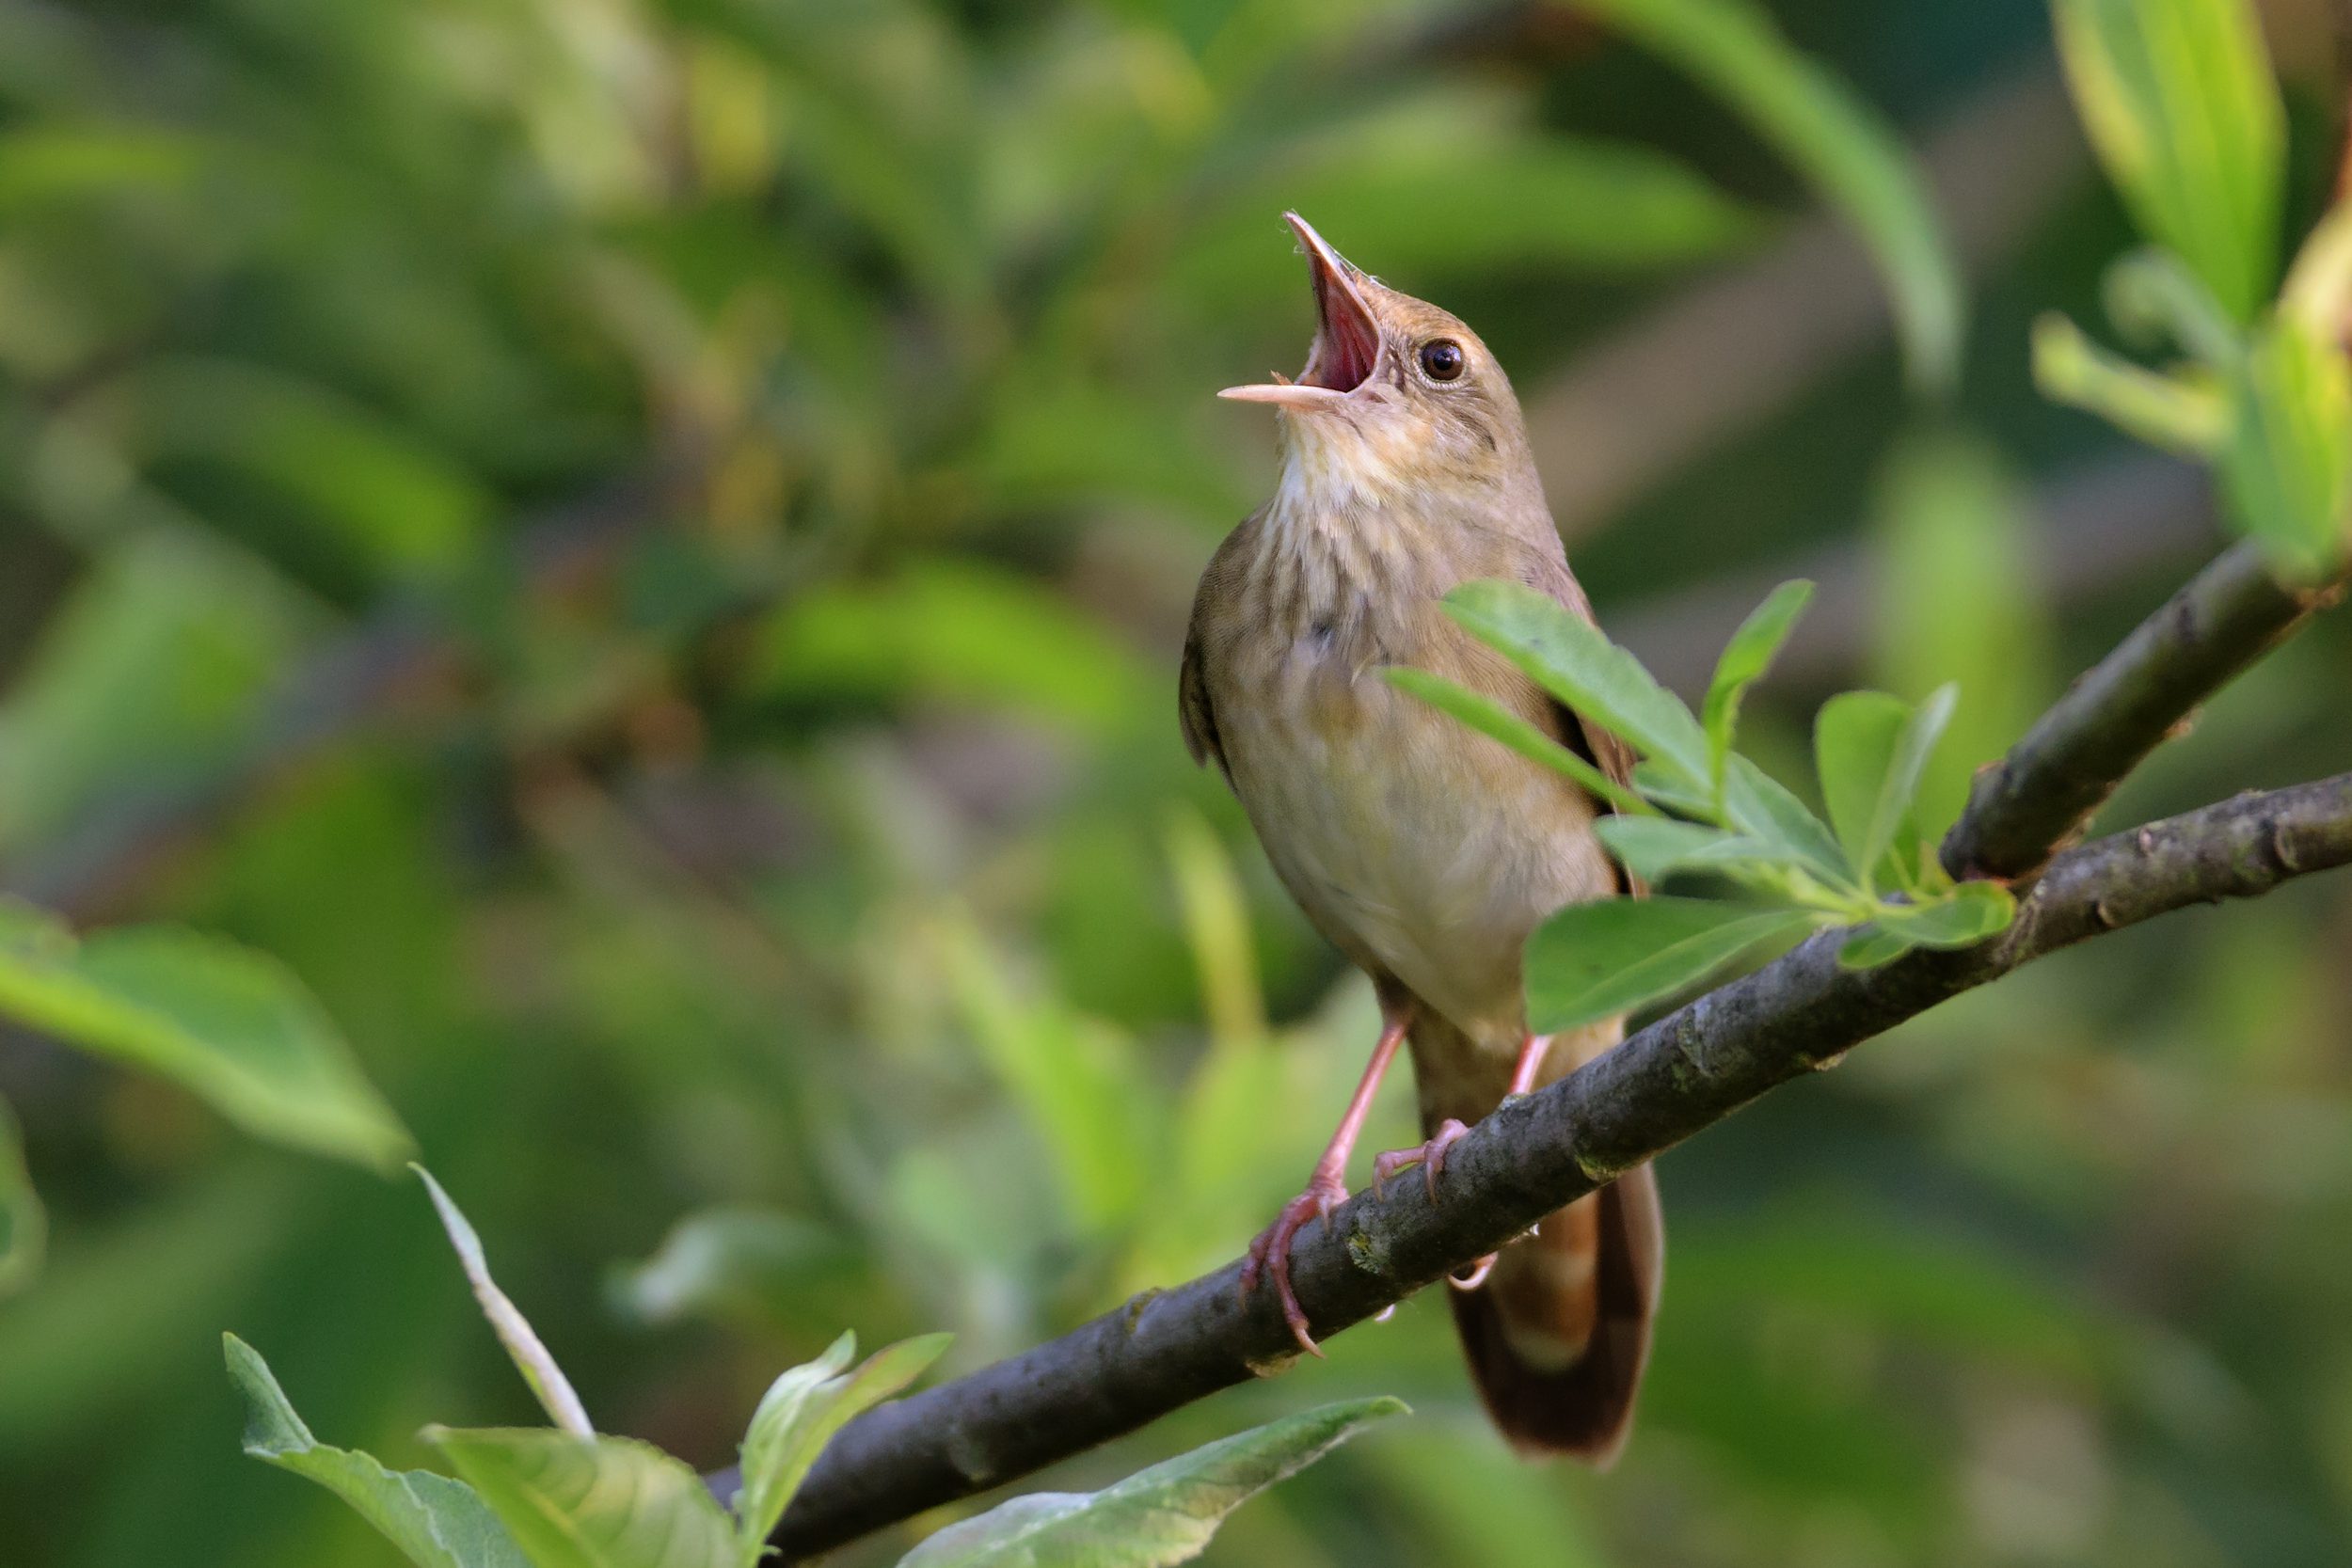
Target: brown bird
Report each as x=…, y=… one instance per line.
x=1424, y=851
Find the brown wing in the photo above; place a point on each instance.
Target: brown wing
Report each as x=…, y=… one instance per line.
x=1219, y=581
x=1194, y=711
x=1602, y=748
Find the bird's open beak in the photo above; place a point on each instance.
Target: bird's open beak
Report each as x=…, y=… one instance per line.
x=1347, y=340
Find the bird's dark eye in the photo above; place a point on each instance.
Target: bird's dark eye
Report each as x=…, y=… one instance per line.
x=1441, y=359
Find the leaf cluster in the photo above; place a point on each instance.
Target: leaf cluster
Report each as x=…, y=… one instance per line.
x=2179, y=99
x=566, y=1497
x=1697, y=807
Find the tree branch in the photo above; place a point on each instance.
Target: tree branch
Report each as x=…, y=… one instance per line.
x=2052, y=780
x=1687, y=1070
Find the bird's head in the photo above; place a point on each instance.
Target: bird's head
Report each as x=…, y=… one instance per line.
x=1396, y=393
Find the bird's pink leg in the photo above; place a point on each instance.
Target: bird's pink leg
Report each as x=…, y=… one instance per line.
x=1430, y=1156
x=1270, y=1254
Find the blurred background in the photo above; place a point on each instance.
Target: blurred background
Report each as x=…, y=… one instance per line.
x=641, y=546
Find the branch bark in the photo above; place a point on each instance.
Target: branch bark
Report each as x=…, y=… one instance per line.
x=1686, y=1071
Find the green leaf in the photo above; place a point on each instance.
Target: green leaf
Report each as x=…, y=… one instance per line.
x=1962, y=917
x=1762, y=807
x=438, y=1522
x=233, y=1025
x=1745, y=658
x=1871, y=946
x=2287, y=464
x=1592, y=961
x=1567, y=656
x=1854, y=746
x=523, y=1346
x=1650, y=846
x=1835, y=140
x=1870, y=749
x=802, y=1411
x=1490, y=717
x=2178, y=98
x=1164, y=1514
x=23, y=1224
x=2165, y=411
x=591, y=1502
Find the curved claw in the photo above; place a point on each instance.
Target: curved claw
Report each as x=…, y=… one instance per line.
x=1270, y=1254
x=1430, y=1157
x=1477, y=1276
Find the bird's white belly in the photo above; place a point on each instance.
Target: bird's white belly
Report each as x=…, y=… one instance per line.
x=1413, y=841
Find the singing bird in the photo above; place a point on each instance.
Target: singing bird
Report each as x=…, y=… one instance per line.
x=1426, y=852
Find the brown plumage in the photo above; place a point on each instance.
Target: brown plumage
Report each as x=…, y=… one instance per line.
x=1424, y=852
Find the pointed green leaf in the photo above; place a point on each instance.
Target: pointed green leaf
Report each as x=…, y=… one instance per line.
x=1593, y=962
x=1162, y=1516
x=1761, y=807
x=1871, y=749
x=802, y=1410
x=1854, y=746
x=530, y=1357
x=233, y=1025
x=1567, y=656
x=1490, y=717
x=1650, y=846
x=438, y=1522
x=1835, y=140
x=23, y=1224
x=2179, y=99
x=1913, y=745
x=1966, y=915
x=2286, y=466
x=591, y=1502
x=1745, y=658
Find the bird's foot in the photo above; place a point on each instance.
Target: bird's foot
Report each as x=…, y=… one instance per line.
x=1430, y=1157
x=1270, y=1254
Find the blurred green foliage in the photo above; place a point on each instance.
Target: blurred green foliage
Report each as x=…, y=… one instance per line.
x=639, y=547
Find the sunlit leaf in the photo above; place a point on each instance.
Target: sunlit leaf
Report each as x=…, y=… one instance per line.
x=802, y=1411
x=231, y=1024
x=1593, y=962
x=1762, y=807
x=1162, y=1516
x=1745, y=658
x=2179, y=100
x=1871, y=749
x=530, y=1356
x=438, y=1522
x=2287, y=464
x=1569, y=657
x=1816, y=121
x=591, y=1502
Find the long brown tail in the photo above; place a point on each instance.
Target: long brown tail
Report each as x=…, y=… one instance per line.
x=1558, y=1335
